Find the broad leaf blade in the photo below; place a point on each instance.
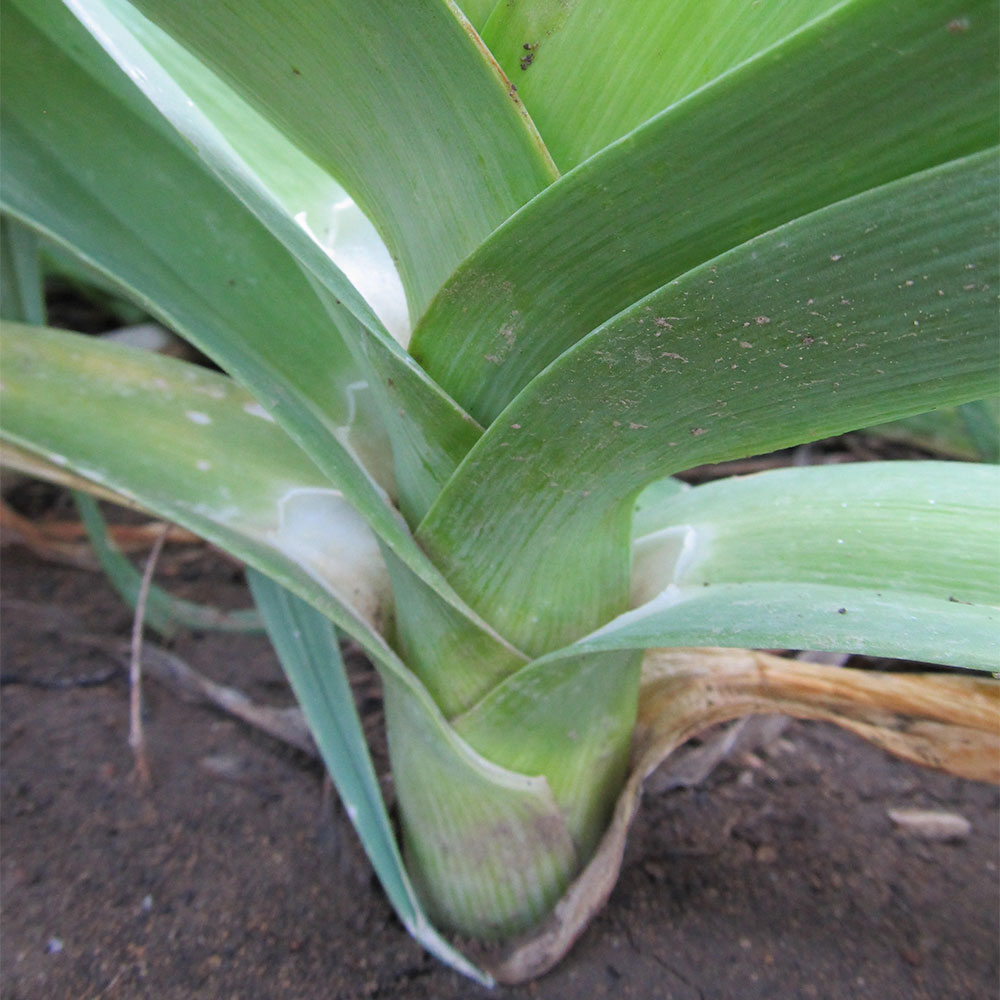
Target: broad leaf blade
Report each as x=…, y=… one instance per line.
x=865, y=96
x=367, y=91
x=292, y=197
x=163, y=612
x=194, y=446
x=478, y=12
x=892, y=559
x=848, y=558
x=212, y=272
x=924, y=527
x=87, y=163
x=177, y=84
x=812, y=615
x=882, y=305
x=591, y=71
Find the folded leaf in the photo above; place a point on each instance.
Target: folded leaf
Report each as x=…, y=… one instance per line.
x=184, y=90
x=931, y=528
x=213, y=271
x=860, y=98
x=298, y=202
x=367, y=91
x=822, y=616
x=193, y=446
x=880, y=305
x=87, y=162
x=893, y=559
x=590, y=71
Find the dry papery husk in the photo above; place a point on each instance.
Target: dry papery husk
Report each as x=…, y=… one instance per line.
x=950, y=722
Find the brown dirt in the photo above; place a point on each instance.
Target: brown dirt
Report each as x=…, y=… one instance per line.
x=780, y=877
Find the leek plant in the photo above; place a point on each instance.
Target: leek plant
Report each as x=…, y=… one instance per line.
x=480, y=282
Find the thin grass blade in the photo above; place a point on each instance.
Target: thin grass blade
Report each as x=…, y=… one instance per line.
x=306, y=643
x=163, y=612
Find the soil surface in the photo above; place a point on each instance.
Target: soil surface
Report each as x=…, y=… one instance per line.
x=234, y=876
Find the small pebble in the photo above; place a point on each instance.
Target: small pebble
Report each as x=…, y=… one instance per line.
x=931, y=824
x=654, y=870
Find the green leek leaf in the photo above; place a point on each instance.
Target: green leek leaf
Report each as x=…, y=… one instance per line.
x=367, y=92
x=212, y=272
x=193, y=446
x=822, y=616
x=881, y=305
x=867, y=95
x=590, y=71
x=87, y=163
x=299, y=203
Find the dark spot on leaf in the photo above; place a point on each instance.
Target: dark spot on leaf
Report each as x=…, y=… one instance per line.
x=841, y=611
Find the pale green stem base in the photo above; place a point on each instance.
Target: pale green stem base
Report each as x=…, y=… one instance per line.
x=492, y=849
